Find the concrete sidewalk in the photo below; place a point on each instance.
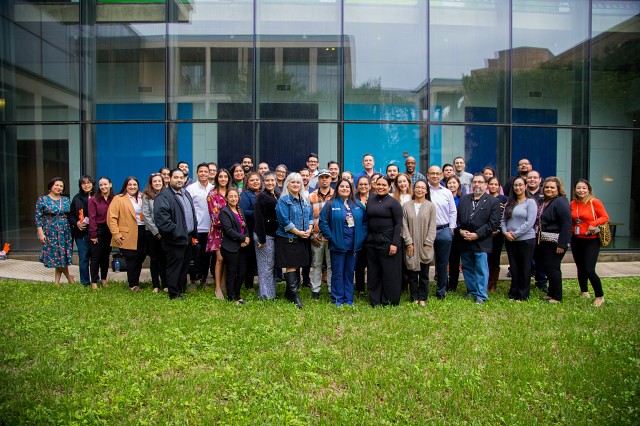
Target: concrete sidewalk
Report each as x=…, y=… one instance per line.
x=35, y=271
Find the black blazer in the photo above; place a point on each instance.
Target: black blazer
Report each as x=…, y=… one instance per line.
x=483, y=221
x=266, y=220
x=556, y=217
x=231, y=235
x=170, y=218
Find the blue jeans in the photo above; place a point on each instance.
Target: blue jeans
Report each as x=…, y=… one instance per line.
x=343, y=264
x=442, y=248
x=475, y=268
x=84, y=255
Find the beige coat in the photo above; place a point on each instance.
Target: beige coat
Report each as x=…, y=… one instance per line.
x=121, y=219
x=419, y=231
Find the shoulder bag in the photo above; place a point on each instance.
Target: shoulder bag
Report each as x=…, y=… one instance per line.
x=604, y=232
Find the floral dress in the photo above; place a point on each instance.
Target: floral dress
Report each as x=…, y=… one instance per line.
x=216, y=202
x=52, y=217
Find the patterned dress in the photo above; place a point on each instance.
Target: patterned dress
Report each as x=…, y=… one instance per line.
x=52, y=217
x=216, y=202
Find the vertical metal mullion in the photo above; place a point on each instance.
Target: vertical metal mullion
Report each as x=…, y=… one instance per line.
x=341, y=80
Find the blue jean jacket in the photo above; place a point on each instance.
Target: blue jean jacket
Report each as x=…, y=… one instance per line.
x=293, y=213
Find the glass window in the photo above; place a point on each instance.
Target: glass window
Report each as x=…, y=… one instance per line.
x=548, y=149
x=468, y=61
x=549, y=60
x=31, y=156
x=385, y=64
x=614, y=174
x=298, y=56
x=615, y=70
x=212, y=60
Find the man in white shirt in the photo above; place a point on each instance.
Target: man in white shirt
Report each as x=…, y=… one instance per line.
x=199, y=191
x=446, y=218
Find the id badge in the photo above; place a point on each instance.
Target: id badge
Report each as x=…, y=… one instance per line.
x=577, y=230
x=350, y=221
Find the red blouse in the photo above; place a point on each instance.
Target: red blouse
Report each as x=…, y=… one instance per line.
x=588, y=216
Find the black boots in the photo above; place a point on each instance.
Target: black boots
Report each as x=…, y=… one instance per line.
x=293, y=281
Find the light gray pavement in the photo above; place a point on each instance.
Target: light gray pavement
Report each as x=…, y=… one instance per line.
x=35, y=271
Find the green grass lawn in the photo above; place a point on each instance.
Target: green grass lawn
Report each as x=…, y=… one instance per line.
x=71, y=355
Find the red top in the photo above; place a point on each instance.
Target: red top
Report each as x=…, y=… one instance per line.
x=98, y=207
x=588, y=216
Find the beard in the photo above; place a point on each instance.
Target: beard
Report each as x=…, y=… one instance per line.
x=478, y=191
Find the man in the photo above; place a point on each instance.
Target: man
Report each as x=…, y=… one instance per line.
x=263, y=168
x=535, y=191
x=446, y=217
x=312, y=165
x=306, y=177
x=199, y=191
x=465, y=177
x=410, y=169
x=334, y=170
x=176, y=220
x=367, y=162
x=478, y=216
x=524, y=167
x=392, y=172
x=319, y=244
x=213, y=171
x=447, y=172
x=246, y=163
x=184, y=166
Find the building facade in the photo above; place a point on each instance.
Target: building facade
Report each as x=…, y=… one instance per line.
x=120, y=87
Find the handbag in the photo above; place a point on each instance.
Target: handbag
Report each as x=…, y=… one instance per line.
x=549, y=237
x=604, y=235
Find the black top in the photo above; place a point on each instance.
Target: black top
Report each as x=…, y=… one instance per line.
x=266, y=221
x=80, y=201
x=169, y=217
x=556, y=217
x=232, y=233
x=480, y=216
x=385, y=221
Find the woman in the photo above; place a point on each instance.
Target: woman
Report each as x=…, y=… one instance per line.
x=253, y=186
x=453, y=184
x=153, y=240
x=419, y=233
x=555, y=233
x=587, y=214
x=343, y=221
x=402, y=191
x=235, y=239
x=364, y=192
x=79, y=222
x=373, y=182
x=99, y=233
x=237, y=173
x=281, y=175
x=295, y=222
x=126, y=224
x=266, y=225
x=493, y=187
x=518, y=220
x=165, y=172
x=488, y=172
x=348, y=176
x=216, y=200
x=52, y=224
x=384, y=263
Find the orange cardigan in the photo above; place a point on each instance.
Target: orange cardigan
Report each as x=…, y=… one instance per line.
x=584, y=212
x=121, y=219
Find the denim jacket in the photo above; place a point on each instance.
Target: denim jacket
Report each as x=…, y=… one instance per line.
x=293, y=213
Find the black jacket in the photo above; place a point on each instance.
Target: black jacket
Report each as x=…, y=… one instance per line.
x=170, y=220
x=483, y=221
x=266, y=220
x=556, y=217
x=80, y=201
x=231, y=235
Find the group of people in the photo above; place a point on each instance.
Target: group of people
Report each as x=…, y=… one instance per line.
x=301, y=226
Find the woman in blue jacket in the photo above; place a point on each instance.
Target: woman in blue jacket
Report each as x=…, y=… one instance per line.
x=343, y=222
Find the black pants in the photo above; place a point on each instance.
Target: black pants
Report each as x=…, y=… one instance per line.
x=251, y=264
x=419, y=283
x=454, y=267
x=496, y=251
x=585, y=254
x=536, y=266
x=135, y=258
x=178, y=258
x=203, y=262
x=520, y=254
x=361, y=265
x=384, y=276
x=100, y=254
x=157, y=260
x=551, y=266
x=236, y=264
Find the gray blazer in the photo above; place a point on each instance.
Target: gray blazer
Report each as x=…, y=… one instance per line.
x=147, y=215
x=419, y=230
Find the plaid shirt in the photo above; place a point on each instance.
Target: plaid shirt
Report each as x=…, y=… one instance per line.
x=318, y=201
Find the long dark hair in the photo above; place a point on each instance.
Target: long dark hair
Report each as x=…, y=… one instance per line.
x=149, y=192
x=586, y=182
x=512, y=201
x=351, y=198
x=123, y=190
x=229, y=180
x=427, y=196
x=111, y=193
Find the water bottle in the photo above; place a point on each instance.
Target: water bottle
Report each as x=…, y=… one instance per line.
x=117, y=265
